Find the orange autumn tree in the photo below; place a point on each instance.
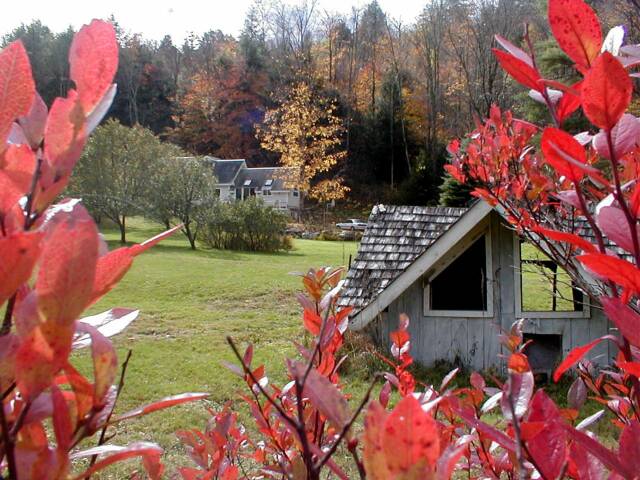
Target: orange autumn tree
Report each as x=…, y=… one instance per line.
x=307, y=134
x=217, y=112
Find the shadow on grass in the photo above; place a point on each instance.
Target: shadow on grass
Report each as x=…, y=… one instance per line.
x=206, y=252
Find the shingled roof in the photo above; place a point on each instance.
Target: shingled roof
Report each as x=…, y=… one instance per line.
x=226, y=170
x=394, y=238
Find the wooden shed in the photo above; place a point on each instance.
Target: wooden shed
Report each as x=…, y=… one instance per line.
x=461, y=275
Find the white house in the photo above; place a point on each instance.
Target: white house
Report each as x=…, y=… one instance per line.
x=237, y=182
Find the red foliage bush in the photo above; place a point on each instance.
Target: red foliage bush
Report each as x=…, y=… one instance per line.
x=54, y=265
x=571, y=190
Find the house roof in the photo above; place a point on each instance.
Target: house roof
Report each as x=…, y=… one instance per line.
x=394, y=238
x=227, y=170
x=260, y=176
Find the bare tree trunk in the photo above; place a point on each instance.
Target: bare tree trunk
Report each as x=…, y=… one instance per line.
x=122, y=226
x=191, y=236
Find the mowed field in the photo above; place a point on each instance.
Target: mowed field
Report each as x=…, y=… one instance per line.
x=190, y=301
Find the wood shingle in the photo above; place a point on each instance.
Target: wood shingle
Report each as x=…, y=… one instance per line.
x=395, y=236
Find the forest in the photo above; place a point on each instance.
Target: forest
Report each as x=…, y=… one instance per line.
x=400, y=91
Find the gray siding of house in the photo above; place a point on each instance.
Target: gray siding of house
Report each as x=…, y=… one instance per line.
x=474, y=340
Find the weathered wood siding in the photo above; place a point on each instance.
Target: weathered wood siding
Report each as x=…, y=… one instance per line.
x=474, y=340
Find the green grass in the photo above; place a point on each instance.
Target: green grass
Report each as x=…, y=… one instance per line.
x=190, y=301
x=537, y=284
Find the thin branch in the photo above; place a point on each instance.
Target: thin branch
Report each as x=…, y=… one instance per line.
x=103, y=433
x=9, y=447
x=346, y=428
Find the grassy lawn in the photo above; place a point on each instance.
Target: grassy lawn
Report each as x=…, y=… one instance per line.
x=190, y=301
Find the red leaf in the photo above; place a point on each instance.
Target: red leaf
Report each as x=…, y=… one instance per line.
x=632, y=368
x=147, y=244
x=629, y=449
x=477, y=381
x=68, y=264
x=587, y=466
x=607, y=457
x=105, y=362
x=9, y=198
x=569, y=102
x=18, y=255
x=624, y=135
x=161, y=404
x=613, y=223
x=64, y=135
x=8, y=349
x=34, y=122
x=373, y=459
x=487, y=430
x=410, y=439
x=42, y=352
x=577, y=30
x=521, y=71
x=548, y=447
x=513, y=50
x=518, y=389
x=17, y=88
x=576, y=355
x=449, y=458
x=566, y=237
x=323, y=395
x=138, y=449
x=110, y=268
x=577, y=394
x=606, y=91
x=20, y=165
x=611, y=268
x=61, y=419
x=564, y=153
x=623, y=317
x=93, y=59
x=399, y=337
x=312, y=322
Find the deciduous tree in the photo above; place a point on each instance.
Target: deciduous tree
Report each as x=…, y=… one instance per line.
x=307, y=134
x=114, y=173
x=181, y=188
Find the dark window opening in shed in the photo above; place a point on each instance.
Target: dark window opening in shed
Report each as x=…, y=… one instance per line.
x=463, y=284
x=545, y=287
x=544, y=352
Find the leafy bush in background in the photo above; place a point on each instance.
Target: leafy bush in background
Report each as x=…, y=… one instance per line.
x=247, y=225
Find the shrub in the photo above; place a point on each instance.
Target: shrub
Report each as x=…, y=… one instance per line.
x=247, y=225
x=54, y=265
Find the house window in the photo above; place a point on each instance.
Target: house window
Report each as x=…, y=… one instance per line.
x=217, y=193
x=462, y=285
x=543, y=286
x=296, y=193
x=266, y=191
x=268, y=182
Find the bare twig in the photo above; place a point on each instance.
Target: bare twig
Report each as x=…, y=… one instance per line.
x=103, y=433
x=346, y=427
x=9, y=450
